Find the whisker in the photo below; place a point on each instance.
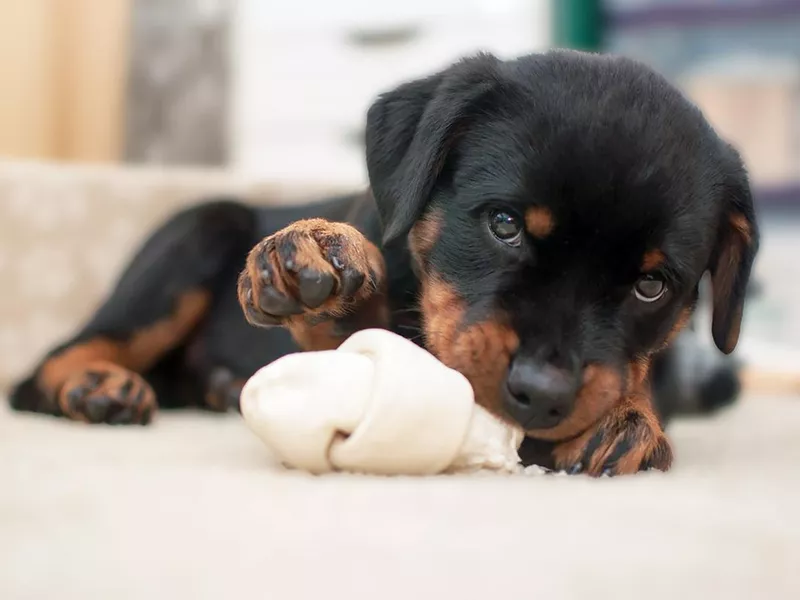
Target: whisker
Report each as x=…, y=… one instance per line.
x=406, y=311
x=408, y=327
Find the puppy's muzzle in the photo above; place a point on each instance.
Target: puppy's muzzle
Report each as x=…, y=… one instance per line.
x=538, y=394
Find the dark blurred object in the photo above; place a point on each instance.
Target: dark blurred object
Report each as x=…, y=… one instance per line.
x=691, y=378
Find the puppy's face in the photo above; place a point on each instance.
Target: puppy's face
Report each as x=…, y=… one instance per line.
x=560, y=210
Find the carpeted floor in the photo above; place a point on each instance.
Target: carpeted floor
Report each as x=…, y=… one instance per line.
x=194, y=508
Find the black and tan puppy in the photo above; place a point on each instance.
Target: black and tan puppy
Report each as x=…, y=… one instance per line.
x=540, y=225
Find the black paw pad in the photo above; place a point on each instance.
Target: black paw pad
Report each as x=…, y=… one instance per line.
x=314, y=286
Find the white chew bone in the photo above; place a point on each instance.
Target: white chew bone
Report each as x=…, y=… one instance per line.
x=378, y=404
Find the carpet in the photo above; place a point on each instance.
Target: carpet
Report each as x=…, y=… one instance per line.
x=194, y=507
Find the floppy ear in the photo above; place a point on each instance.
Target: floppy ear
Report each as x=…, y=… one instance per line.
x=409, y=133
x=732, y=259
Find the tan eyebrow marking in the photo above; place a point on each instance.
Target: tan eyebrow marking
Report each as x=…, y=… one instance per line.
x=652, y=260
x=539, y=222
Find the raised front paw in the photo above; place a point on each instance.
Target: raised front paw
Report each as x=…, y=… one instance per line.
x=626, y=441
x=106, y=393
x=310, y=267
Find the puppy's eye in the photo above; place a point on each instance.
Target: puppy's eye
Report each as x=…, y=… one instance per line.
x=650, y=288
x=506, y=227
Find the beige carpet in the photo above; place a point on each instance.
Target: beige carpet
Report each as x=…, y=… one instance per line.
x=193, y=508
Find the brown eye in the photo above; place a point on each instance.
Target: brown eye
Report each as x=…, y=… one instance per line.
x=505, y=227
x=650, y=288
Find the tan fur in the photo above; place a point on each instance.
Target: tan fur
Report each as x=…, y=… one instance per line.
x=138, y=353
x=423, y=236
x=632, y=420
x=601, y=390
x=539, y=222
x=652, y=260
x=481, y=351
x=116, y=378
x=312, y=238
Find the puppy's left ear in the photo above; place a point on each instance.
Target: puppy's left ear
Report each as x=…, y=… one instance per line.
x=733, y=256
x=410, y=132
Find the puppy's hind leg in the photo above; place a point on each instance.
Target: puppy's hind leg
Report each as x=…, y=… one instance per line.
x=99, y=376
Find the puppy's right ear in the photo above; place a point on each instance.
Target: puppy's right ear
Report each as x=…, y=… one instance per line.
x=410, y=131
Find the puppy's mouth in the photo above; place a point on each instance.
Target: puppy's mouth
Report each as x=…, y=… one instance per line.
x=483, y=351
x=601, y=389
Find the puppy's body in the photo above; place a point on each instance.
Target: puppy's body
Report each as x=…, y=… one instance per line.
x=540, y=225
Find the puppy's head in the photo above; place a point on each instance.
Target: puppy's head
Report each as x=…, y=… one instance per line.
x=560, y=210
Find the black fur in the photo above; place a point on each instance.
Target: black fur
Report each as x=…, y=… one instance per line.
x=619, y=158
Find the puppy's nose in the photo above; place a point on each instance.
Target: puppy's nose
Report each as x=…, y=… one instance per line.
x=539, y=395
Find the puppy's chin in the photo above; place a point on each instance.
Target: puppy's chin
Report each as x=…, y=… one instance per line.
x=602, y=389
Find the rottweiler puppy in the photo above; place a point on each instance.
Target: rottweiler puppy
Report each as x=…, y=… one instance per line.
x=539, y=224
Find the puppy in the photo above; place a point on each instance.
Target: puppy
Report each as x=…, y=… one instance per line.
x=540, y=224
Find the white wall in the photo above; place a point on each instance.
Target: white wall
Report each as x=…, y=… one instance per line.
x=301, y=85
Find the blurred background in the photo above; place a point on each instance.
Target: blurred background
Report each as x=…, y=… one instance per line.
x=270, y=87
x=114, y=113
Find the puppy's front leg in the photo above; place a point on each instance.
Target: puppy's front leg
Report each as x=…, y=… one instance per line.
x=322, y=280
x=627, y=440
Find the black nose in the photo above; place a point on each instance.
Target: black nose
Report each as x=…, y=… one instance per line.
x=539, y=395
